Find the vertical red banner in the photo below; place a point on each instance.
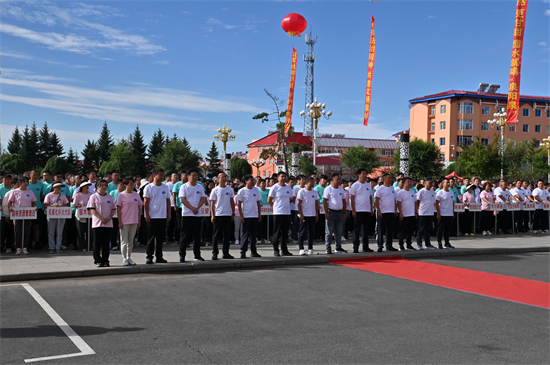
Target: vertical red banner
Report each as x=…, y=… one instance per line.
x=288, y=121
x=515, y=68
x=372, y=55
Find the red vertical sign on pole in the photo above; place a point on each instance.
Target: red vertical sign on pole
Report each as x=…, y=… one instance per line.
x=288, y=121
x=372, y=55
x=515, y=68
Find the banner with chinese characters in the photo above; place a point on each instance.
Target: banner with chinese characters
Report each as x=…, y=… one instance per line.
x=372, y=54
x=291, y=91
x=512, y=112
x=59, y=212
x=23, y=213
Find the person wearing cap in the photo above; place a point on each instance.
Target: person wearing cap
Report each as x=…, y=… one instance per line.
x=406, y=200
x=468, y=198
x=425, y=207
x=102, y=207
x=444, y=204
x=55, y=225
x=80, y=200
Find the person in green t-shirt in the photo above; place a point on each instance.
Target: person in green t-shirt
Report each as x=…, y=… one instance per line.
x=113, y=186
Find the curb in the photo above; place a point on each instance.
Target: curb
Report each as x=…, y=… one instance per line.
x=266, y=262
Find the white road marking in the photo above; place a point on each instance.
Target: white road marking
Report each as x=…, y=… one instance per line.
x=76, y=339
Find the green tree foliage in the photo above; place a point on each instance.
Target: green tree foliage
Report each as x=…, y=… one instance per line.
x=14, y=162
x=359, y=157
x=44, y=145
x=91, y=156
x=523, y=161
x=56, y=163
x=72, y=157
x=121, y=159
x=139, y=149
x=306, y=167
x=176, y=157
x=16, y=142
x=479, y=160
x=158, y=140
x=56, y=147
x=29, y=147
x=213, y=157
x=104, y=144
x=240, y=167
x=423, y=159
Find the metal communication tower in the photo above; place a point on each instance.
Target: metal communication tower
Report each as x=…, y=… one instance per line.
x=309, y=60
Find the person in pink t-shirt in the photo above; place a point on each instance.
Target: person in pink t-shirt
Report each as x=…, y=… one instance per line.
x=129, y=219
x=22, y=198
x=102, y=207
x=80, y=200
x=467, y=222
x=55, y=225
x=487, y=198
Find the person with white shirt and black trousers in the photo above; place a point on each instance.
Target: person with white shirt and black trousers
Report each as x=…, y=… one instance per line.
x=406, y=201
x=279, y=200
x=334, y=202
x=249, y=205
x=222, y=211
x=157, y=213
x=425, y=208
x=502, y=194
x=192, y=198
x=444, y=204
x=308, y=208
x=518, y=193
x=540, y=220
x=362, y=210
x=384, y=199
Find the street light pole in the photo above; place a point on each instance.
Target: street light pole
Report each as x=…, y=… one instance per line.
x=224, y=136
x=316, y=111
x=500, y=121
x=546, y=143
x=257, y=163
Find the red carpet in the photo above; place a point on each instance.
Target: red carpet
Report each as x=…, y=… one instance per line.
x=530, y=292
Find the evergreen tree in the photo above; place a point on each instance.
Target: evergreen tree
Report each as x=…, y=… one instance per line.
x=177, y=157
x=158, y=140
x=44, y=145
x=104, y=143
x=90, y=155
x=29, y=148
x=56, y=148
x=213, y=158
x=185, y=142
x=15, y=143
x=72, y=157
x=139, y=150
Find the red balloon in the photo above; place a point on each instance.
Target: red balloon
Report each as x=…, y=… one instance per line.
x=294, y=24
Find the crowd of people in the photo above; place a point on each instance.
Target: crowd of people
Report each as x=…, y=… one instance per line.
x=170, y=208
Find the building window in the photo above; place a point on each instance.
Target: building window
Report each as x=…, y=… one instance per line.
x=466, y=108
x=548, y=129
x=259, y=149
x=548, y=113
x=538, y=128
x=512, y=128
x=538, y=113
x=433, y=140
x=386, y=163
x=442, y=125
x=441, y=157
x=464, y=141
x=443, y=109
x=269, y=173
x=525, y=112
x=486, y=109
x=465, y=124
x=485, y=126
x=485, y=141
x=525, y=127
x=537, y=144
x=442, y=141
x=263, y=173
x=433, y=110
x=433, y=127
x=386, y=153
x=458, y=154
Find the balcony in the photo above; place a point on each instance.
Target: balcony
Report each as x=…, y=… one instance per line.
x=431, y=115
x=431, y=132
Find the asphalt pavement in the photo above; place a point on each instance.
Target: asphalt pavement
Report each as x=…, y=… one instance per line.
x=314, y=314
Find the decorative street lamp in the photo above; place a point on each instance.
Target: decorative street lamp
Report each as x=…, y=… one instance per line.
x=316, y=111
x=257, y=163
x=500, y=121
x=205, y=166
x=546, y=143
x=224, y=136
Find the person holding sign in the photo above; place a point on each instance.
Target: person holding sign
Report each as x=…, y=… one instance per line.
x=22, y=198
x=81, y=200
x=444, y=204
x=55, y=225
x=541, y=195
x=468, y=198
x=249, y=206
x=192, y=198
x=102, y=206
x=128, y=205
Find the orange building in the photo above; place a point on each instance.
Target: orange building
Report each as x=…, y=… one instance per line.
x=453, y=118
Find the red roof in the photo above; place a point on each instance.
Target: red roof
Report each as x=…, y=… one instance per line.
x=271, y=139
x=327, y=160
x=461, y=93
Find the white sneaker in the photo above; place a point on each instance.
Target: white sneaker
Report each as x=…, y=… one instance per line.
x=302, y=253
x=63, y=247
x=485, y=233
x=131, y=262
x=342, y=239
x=25, y=252
x=125, y=262
x=18, y=252
x=545, y=231
x=536, y=231
x=236, y=242
x=419, y=247
x=489, y=233
x=312, y=252
x=8, y=250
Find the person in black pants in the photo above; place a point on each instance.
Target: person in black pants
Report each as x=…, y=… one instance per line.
x=249, y=203
x=425, y=207
x=192, y=199
x=406, y=201
x=362, y=210
x=157, y=214
x=102, y=207
x=222, y=211
x=384, y=198
x=308, y=207
x=279, y=199
x=444, y=204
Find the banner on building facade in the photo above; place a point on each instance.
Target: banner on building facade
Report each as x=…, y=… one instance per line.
x=372, y=55
x=512, y=112
x=288, y=121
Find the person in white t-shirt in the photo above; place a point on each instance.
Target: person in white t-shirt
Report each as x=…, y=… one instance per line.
x=171, y=180
x=362, y=210
x=502, y=194
x=192, y=198
x=308, y=207
x=222, y=211
x=519, y=194
x=156, y=202
x=279, y=199
x=406, y=203
x=444, y=204
x=425, y=208
x=384, y=199
x=296, y=186
x=541, y=196
x=528, y=215
x=249, y=203
x=334, y=202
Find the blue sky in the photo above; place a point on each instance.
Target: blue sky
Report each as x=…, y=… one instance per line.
x=189, y=67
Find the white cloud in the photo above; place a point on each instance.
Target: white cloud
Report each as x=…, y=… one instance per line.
x=431, y=16
x=543, y=44
x=26, y=75
x=547, y=12
x=219, y=22
x=166, y=62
